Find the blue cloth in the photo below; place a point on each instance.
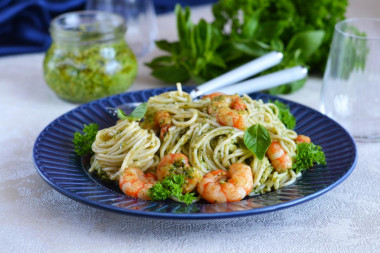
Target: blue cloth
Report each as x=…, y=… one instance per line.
x=24, y=24
x=164, y=6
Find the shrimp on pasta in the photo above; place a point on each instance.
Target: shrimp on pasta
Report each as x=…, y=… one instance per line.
x=219, y=186
x=178, y=164
x=202, y=141
x=229, y=110
x=133, y=182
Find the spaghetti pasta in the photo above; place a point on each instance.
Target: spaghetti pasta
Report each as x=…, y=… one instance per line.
x=210, y=142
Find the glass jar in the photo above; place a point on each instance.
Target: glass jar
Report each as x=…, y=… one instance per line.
x=89, y=57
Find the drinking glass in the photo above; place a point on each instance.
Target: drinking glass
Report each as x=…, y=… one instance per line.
x=351, y=83
x=141, y=21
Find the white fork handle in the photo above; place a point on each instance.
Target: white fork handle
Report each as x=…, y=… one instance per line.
x=240, y=73
x=268, y=81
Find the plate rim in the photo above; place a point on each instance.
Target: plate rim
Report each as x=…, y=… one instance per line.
x=169, y=215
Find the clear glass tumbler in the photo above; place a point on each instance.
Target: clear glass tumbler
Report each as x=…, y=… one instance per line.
x=141, y=21
x=351, y=83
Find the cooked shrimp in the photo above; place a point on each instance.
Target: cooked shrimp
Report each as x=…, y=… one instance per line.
x=229, y=110
x=133, y=182
x=302, y=138
x=212, y=95
x=228, y=117
x=237, y=103
x=219, y=186
x=179, y=164
x=281, y=161
x=163, y=121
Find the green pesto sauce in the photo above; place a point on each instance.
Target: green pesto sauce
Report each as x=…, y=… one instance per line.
x=82, y=74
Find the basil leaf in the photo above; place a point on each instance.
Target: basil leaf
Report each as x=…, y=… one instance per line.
x=160, y=61
x=251, y=23
x=136, y=114
x=171, y=74
x=270, y=30
x=251, y=47
x=171, y=47
x=218, y=61
x=139, y=111
x=257, y=140
x=308, y=42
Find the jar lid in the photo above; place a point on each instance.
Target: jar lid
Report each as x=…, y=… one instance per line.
x=86, y=26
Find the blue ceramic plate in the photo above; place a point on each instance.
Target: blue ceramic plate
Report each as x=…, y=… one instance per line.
x=60, y=167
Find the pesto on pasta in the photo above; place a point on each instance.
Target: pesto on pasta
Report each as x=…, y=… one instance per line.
x=201, y=141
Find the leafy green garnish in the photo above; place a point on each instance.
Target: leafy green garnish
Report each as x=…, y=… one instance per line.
x=137, y=114
x=83, y=141
x=171, y=186
x=257, y=140
x=307, y=155
x=285, y=115
x=244, y=30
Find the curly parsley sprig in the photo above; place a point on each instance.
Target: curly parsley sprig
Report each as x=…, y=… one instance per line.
x=83, y=141
x=307, y=155
x=171, y=186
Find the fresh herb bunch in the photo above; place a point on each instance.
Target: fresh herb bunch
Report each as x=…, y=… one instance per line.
x=83, y=141
x=282, y=20
x=193, y=55
x=171, y=186
x=244, y=30
x=307, y=154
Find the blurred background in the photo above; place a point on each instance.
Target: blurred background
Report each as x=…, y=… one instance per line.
x=303, y=32
x=24, y=24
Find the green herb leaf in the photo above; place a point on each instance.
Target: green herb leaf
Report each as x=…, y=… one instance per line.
x=250, y=26
x=308, y=42
x=171, y=186
x=171, y=74
x=83, y=141
x=270, y=30
x=139, y=111
x=285, y=115
x=137, y=114
x=257, y=140
x=252, y=48
x=160, y=62
x=165, y=45
x=307, y=154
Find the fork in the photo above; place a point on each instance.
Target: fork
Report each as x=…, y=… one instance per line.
x=221, y=82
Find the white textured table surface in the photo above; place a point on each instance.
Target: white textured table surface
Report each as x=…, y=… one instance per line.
x=36, y=218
